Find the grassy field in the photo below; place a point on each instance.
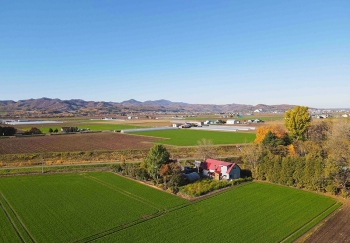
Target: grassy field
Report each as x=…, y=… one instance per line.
x=188, y=137
x=104, y=207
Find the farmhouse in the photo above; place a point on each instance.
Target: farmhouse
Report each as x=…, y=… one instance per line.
x=220, y=170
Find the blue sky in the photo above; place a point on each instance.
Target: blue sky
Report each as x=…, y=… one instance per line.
x=203, y=52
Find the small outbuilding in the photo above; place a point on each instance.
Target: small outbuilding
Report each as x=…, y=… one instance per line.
x=194, y=176
x=232, y=121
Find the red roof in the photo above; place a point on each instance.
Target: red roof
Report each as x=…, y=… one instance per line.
x=212, y=164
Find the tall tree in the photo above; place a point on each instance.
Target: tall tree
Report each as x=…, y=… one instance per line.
x=167, y=171
x=338, y=149
x=157, y=156
x=251, y=155
x=205, y=149
x=297, y=121
x=317, y=132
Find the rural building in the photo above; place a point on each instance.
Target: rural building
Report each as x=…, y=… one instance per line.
x=232, y=121
x=69, y=129
x=220, y=170
x=207, y=122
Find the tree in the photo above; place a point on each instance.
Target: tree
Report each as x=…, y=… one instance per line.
x=338, y=149
x=251, y=155
x=297, y=121
x=50, y=130
x=7, y=131
x=56, y=130
x=205, y=149
x=33, y=130
x=277, y=130
x=157, y=156
x=167, y=171
x=317, y=132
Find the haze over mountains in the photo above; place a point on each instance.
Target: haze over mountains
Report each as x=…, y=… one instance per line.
x=131, y=105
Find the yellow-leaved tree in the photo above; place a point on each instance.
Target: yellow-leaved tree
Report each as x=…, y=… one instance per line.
x=297, y=121
x=278, y=130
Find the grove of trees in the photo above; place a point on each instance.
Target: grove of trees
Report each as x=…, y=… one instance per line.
x=157, y=167
x=313, y=155
x=7, y=131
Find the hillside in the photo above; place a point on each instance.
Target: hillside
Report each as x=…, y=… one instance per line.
x=73, y=105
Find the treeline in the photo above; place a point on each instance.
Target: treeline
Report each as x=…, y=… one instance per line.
x=7, y=131
x=316, y=157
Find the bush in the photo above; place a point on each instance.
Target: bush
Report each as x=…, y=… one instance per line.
x=332, y=189
x=203, y=187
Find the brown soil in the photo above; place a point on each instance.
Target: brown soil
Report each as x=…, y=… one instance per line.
x=74, y=142
x=334, y=229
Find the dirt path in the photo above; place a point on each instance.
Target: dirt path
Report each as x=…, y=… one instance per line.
x=333, y=229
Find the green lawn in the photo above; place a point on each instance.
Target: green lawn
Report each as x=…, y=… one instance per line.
x=104, y=207
x=188, y=137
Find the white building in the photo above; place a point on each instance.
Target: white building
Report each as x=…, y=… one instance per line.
x=232, y=121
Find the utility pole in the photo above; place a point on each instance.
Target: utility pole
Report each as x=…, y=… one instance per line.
x=42, y=167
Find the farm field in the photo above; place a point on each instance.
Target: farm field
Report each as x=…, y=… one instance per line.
x=76, y=207
x=93, y=126
x=103, y=207
x=264, y=117
x=74, y=142
x=249, y=213
x=188, y=137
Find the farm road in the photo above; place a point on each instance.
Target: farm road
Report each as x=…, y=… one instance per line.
x=334, y=230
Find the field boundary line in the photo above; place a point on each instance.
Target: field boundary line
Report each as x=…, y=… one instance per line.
x=11, y=222
x=321, y=215
x=16, y=218
x=117, y=228
x=126, y=193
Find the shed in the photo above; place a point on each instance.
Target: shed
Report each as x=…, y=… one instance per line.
x=194, y=176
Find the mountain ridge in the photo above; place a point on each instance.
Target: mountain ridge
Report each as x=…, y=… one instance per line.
x=131, y=105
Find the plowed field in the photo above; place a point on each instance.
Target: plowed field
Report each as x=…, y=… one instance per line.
x=334, y=230
x=74, y=142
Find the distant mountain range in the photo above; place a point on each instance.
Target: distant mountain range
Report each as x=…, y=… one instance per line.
x=57, y=105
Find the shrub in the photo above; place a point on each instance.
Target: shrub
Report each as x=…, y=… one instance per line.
x=332, y=189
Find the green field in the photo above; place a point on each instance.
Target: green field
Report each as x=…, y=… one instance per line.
x=188, y=137
x=250, y=213
x=104, y=207
x=263, y=118
x=73, y=207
